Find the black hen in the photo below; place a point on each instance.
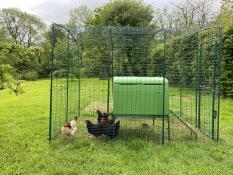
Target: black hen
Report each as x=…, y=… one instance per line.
x=94, y=129
x=112, y=130
x=97, y=129
x=99, y=116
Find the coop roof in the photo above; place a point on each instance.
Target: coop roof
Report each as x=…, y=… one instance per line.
x=139, y=80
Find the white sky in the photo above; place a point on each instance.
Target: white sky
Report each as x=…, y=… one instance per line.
x=58, y=10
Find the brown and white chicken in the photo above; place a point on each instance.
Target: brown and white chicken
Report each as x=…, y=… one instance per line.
x=70, y=128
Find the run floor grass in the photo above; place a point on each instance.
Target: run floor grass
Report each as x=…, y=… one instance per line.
x=24, y=148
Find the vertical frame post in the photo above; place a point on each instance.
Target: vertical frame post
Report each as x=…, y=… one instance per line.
x=214, y=89
x=181, y=67
x=164, y=67
x=108, y=69
x=197, y=81
x=51, y=84
x=79, y=85
x=199, y=86
x=219, y=77
x=67, y=76
x=112, y=57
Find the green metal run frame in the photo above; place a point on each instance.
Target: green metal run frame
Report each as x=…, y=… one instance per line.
x=84, y=63
x=216, y=42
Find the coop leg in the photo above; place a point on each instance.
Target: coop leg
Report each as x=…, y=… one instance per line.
x=163, y=130
x=168, y=129
x=153, y=121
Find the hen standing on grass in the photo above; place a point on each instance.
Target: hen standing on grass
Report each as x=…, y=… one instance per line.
x=70, y=128
x=96, y=129
x=100, y=128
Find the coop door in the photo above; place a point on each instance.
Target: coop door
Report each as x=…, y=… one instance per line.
x=208, y=91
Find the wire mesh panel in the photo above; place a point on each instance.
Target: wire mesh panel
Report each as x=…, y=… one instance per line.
x=208, y=97
x=132, y=82
x=139, y=82
x=194, y=72
x=64, y=92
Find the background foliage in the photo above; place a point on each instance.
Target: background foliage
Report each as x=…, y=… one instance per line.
x=25, y=40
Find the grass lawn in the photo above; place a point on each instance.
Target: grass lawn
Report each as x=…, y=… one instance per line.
x=24, y=147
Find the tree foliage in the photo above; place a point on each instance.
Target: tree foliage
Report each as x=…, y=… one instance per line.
x=24, y=60
x=225, y=18
x=79, y=17
x=22, y=55
x=124, y=13
x=25, y=47
x=7, y=81
x=227, y=63
x=128, y=48
x=23, y=28
x=186, y=15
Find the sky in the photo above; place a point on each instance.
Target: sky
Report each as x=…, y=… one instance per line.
x=58, y=10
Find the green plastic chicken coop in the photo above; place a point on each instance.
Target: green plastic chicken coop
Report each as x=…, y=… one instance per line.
x=140, y=96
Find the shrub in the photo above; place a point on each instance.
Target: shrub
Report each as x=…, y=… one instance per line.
x=30, y=75
x=227, y=63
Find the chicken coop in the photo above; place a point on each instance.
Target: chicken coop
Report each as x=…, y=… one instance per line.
x=155, y=84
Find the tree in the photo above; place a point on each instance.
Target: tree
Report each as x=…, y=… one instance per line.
x=23, y=28
x=2, y=32
x=7, y=81
x=225, y=17
x=79, y=17
x=124, y=13
x=187, y=15
x=168, y=19
x=227, y=63
x=27, y=63
x=227, y=7
x=132, y=13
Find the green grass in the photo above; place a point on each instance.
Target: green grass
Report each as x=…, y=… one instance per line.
x=24, y=147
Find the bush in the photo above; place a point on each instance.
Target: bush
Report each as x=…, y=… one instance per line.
x=227, y=63
x=31, y=75
x=8, y=81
